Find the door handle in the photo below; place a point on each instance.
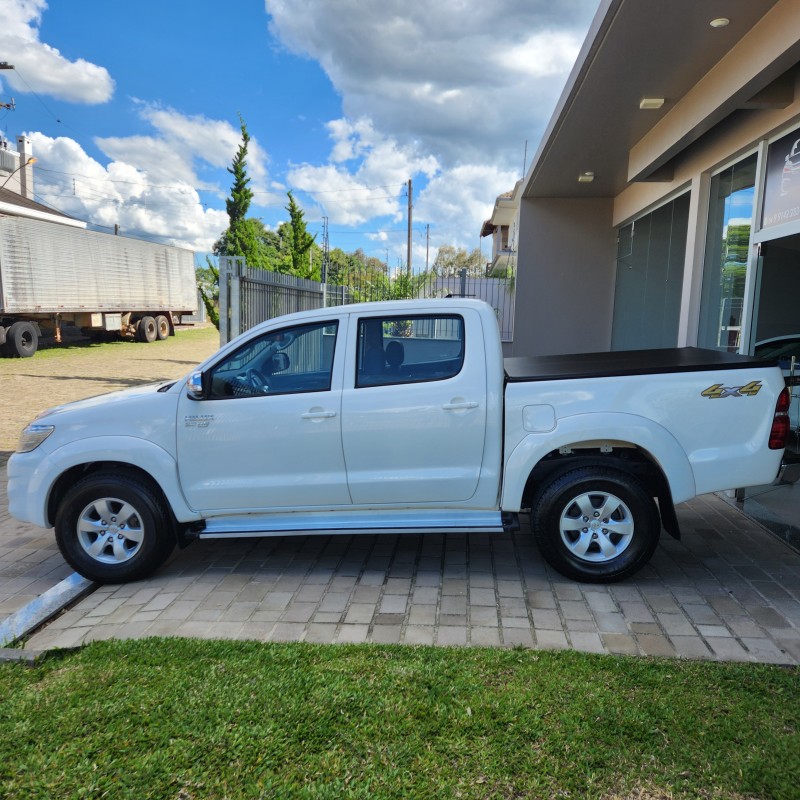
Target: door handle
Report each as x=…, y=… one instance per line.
x=460, y=405
x=318, y=415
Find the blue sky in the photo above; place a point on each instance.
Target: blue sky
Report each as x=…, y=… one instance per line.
x=133, y=108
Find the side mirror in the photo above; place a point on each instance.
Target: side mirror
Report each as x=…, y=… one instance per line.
x=280, y=362
x=194, y=386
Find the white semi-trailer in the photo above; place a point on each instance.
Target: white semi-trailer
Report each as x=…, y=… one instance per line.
x=52, y=275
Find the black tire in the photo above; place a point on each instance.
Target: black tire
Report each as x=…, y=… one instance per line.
x=595, y=524
x=112, y=528
x=146, y=330
x=162, y=327
x=22, y=339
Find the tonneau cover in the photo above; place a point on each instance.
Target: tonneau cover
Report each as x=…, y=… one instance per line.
x=625, y=362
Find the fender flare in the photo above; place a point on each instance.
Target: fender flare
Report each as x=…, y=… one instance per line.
x=632, y=429
x=130, y=450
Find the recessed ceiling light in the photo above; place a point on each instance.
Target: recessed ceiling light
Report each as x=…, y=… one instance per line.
x=651, y=102
x=719, y=22
x=586, y=177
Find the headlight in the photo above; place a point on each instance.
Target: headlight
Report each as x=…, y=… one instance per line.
x=33, y=436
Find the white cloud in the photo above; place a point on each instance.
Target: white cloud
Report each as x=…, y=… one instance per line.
x=122, y=194
x=450, y=90
x=40, y=67
x=467, y=82
x=369, y=189
x=544, y=54
x=181, y=143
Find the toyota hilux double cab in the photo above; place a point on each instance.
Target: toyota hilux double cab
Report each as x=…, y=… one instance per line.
x=400, y=417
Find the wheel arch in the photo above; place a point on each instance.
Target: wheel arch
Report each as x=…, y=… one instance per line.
x=627, y=442
x=145, y=461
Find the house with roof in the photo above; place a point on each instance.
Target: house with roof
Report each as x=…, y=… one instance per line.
x=17, y=182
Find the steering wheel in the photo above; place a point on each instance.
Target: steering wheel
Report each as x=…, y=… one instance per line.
x=257, y=380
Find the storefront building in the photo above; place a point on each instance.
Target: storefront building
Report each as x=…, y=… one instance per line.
x=662, y=207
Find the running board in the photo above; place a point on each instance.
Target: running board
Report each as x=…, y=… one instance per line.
x=300, y=524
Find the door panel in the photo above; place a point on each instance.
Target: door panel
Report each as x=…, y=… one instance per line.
x=414, y=423
x=269, y=433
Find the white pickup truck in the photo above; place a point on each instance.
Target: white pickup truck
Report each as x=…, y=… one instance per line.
x=400, y=417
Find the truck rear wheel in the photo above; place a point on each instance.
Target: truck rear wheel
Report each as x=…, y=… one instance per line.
x=113, y=528
x=162, y=327
x=22, y=339
x=146, y=330
x=595, y=524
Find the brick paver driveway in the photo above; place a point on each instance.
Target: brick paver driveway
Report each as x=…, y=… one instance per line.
x=728, y=590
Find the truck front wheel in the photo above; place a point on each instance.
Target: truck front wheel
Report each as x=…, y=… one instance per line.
x=595, y=524
x=113, y=528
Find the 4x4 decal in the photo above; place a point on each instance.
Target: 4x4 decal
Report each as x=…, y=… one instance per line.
x=718, y=390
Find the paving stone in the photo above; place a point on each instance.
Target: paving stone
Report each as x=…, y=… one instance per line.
x=676, y=624
x=767, y=617
x=714, y=631
x=766, y=651
x=386, y=634
x=551, y=640
x=546, y=620
x=654, y=645
x=574, y=609
x=620, y=644
x=419, y=634
x=635, y=612
x=352, y=634
x=600, y=603
x=701, y=614
x=451, y=636
x=483, y=615
x=484, y=637
x=728, y=649
x=587, y=642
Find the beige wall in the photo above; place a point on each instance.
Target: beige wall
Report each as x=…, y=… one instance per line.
x=565, y=290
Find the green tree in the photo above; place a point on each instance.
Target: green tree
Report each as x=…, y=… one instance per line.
x=450, y=261
x=299, y=242
x=241, y=238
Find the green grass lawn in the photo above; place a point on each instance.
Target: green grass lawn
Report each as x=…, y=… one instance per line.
x=184, y=719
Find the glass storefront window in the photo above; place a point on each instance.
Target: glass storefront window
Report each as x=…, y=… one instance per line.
x=647, y=296
x=730, y=220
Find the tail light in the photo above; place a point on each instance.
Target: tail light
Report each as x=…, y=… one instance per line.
x=779, y=434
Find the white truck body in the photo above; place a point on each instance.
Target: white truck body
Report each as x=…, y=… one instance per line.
x=52, y=274
x=294, y=428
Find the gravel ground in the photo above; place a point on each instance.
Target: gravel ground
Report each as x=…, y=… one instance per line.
x=79, y=368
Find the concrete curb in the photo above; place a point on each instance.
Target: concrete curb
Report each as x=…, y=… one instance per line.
x=38, y=611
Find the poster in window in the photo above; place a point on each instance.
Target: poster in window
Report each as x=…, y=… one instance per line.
x=782, y=191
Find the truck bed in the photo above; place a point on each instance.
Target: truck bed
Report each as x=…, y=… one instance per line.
x=625, y=362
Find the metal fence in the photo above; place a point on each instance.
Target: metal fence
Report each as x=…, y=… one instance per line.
x=248, y=295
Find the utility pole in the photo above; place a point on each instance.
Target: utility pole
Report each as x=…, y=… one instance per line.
x=410, y=206
x=427, y=245
x=326, y=257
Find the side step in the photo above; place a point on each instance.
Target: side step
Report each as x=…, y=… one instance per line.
x=300, y=524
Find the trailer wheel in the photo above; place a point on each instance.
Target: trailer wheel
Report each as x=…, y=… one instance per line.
x=162, y=327
x=112, y=528
x=595, y=524
x=146, y=330
x=22, y=340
